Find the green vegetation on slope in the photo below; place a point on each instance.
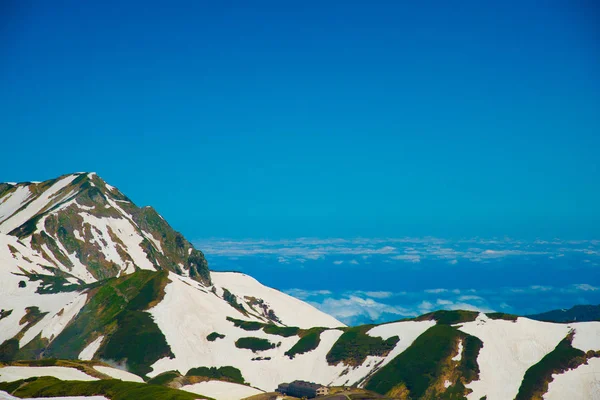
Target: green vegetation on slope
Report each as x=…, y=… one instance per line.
x=232, y=300
x=164, y=379
x=9, y=350
x=419, y=371
x=116, y=309
x=106, y=300
x=272, y=329
x=55, y=283
x=114, y=389
x=253, y=343
x=285, y=331
x=504, y=316
x=245, y=325
x=214, y=336
x=5, y=313
x=538, y=376
x=353, y=347
x=227, y=373
x=309, y=340
x=137, y=341
x=449, y=317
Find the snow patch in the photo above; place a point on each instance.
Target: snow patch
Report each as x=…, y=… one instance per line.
x=288, y=309
x=13, y=201
x=587, y=336
x=458, y=357
x=91, y=349
x=53, y=323
x=126, y=232
x=154, y=241
x=118, y=374
x=222, y=390
x=10, y=374
x=45, y=200
x=581, y=383
x=6, y=396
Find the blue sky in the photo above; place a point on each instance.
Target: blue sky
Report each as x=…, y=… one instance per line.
x=328, y=119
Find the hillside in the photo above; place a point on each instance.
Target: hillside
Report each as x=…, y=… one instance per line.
x=91, y=280
x=582, y=313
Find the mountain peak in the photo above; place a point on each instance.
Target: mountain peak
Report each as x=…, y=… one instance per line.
x=80, y=223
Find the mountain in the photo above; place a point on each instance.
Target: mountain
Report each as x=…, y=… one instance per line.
x=90, y=283
x=88, y=230
x=581, y=313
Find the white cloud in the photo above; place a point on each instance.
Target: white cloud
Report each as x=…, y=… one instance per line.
x=400, y=249
x=353, y=308
x=440, y=290
x=408, y=258
x=469, y=298
x=338, y=262
x=377, y=295
x=585, y=287
x=540, y=288
x=305, y=294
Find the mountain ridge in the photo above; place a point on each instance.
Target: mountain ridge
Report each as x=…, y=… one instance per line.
x=87, y=275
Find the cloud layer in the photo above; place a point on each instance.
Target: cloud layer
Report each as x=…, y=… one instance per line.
x=375, y=280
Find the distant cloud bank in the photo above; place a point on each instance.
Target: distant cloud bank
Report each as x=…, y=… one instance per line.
x=366, y=280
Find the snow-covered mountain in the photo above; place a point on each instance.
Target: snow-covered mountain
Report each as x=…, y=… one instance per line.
x=85, y=274
x=88, y=230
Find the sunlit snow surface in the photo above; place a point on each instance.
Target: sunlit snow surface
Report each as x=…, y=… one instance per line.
x=44, y=200
x=189, y=313
x=509, y=349
x=582, y=383
x=10, y=374
x=91, y=349
x=118, y=374
x=221, y=390
x=6, y=396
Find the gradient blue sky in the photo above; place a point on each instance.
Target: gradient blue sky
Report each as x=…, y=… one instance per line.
x=284, y=119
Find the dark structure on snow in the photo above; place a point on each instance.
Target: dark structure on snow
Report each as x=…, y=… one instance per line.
x=303, y=389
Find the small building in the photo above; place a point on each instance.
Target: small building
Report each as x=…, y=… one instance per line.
x=303, y=389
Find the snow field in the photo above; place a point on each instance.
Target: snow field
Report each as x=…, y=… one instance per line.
x=188, y=313
x=118, y=374
x=581, y=383
x=10, y=374
x=222, y=390
x=91, y=349
x=509, y=349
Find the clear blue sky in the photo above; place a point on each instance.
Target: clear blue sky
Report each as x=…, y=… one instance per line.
x=328, y=118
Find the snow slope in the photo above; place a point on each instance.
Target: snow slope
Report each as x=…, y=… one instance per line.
x=189, y=313
x=509, y=349
x=10, y=374
x=118, y=374
x=47, y=199
x=6, y=396
x=582, y=383
x=91, y=349
x=587, y=336
x=61, y=307
x=221, y=390
x=288, y=309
